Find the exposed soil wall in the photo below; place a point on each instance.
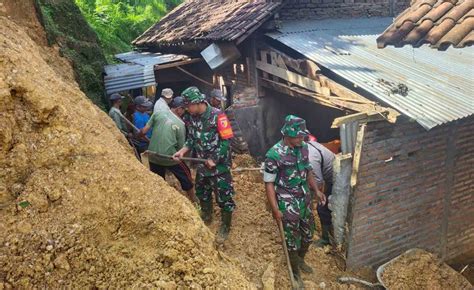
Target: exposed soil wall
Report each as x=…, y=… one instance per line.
x=76, y=208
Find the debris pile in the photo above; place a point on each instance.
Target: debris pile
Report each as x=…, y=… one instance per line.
x=418, y=269
x=254, y=242
x=77, y=210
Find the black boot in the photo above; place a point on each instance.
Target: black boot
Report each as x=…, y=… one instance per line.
x=295, y=267
x=302, y=253
x=206, y=211
x=324, y=240
x=225, y=226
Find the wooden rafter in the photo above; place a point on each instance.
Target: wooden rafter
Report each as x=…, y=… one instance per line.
x=318, y=88
x=296, y=92
x=194, y=76
x=177, y=63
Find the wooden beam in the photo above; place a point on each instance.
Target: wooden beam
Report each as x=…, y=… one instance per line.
x=311, y=69
x=302, y=66
x=195, y=77
x=291, y=77
x=375, y=112
x=177, y=63
x=294, y=92
x=357, y=155
x=346, y=93
x=263, y=58
x=247, y=59
x=340, y=90
x=363, y=117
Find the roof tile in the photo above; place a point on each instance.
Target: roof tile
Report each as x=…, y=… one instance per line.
x=440, y=23
x=207, y=20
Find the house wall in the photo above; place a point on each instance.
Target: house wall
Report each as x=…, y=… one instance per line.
x=320, y=9
x=415, y=189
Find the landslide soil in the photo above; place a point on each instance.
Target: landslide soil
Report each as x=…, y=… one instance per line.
x=77, y=209
x=255, y=245
x=419, y=269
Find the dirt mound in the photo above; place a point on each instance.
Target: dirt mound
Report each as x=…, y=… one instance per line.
x=419, y=269
x=24, y=13
x=254, y=242
x=76, y=208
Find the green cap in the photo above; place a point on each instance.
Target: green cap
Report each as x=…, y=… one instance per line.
x=192, y=95
x=294, y=127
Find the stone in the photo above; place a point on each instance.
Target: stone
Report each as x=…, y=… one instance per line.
x=61, y=262
x=54, y=195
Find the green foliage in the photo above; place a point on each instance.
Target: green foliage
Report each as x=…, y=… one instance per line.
x=118, y=22
x=66, y=27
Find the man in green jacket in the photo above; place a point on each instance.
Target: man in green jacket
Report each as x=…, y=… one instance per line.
x=168, y=137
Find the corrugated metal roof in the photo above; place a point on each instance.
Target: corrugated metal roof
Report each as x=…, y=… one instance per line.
x=440, y=87
x=136, y=72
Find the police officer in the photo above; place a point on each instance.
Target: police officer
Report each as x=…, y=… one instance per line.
x=288, y=177
x=208, y=135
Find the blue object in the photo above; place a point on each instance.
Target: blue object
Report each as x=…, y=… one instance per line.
x=139, y=120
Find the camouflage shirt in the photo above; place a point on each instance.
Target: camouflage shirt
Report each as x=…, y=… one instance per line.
x=203, y=138
x=287, y=168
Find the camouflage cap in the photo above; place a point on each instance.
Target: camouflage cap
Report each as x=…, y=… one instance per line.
x=294, y=127
x=192, y=95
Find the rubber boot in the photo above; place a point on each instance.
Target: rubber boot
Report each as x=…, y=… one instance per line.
x=295, y=267
x=324, y=240
x=206, y=211
x=225, y=226
x=301, y=253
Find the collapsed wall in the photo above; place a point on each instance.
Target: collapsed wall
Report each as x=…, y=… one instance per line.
x=76, y=208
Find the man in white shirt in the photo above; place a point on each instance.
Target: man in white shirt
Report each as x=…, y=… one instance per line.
x=162, y=104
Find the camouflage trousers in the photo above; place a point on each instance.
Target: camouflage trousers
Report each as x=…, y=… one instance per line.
x=298, y=220
x=221, y=185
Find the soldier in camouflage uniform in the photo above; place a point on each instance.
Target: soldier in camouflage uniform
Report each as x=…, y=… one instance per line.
x=214, y=176
x=288, y=176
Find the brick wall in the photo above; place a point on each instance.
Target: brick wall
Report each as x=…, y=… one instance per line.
x=415, y=189
x=320, y=9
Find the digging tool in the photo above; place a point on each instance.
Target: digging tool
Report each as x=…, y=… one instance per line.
x=359, y=281
x=241, y=169
x=171, y=157
x=133, y=126
x=294, y=285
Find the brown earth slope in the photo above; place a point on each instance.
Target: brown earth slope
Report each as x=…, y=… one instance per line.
x=255, y=245
x=76, y=208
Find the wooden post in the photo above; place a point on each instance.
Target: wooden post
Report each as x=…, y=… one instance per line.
x=357, y=155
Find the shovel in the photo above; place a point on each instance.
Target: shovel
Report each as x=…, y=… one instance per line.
x=133, y=126
x=241, y=169
x=171, y=157
x=294, y=285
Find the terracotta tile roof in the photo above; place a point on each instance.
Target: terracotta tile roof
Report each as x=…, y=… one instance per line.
x=440, y=23
x=205, y=20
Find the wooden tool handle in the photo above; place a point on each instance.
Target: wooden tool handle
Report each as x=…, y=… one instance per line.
x=285, y=249
x=133, y=126
x=182, y=158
